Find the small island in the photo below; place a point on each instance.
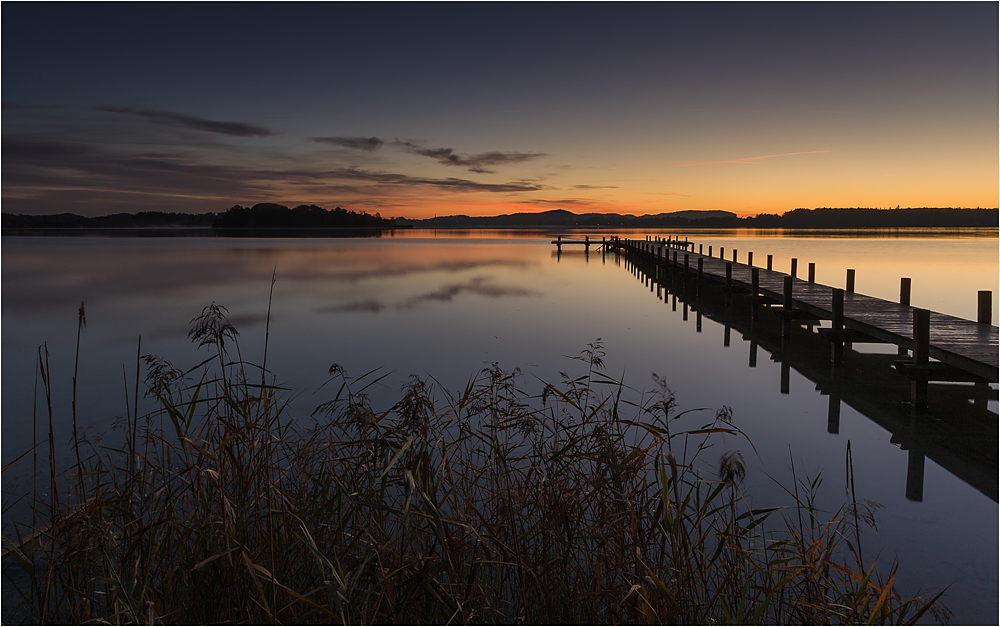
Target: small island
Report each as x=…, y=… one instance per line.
x=267, y=215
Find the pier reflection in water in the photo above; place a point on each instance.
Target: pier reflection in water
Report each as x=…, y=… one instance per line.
x=957, y=431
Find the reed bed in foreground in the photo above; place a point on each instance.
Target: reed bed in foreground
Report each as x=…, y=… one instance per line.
x=586, y=503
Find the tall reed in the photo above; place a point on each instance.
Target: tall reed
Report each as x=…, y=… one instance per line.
x=587, y=502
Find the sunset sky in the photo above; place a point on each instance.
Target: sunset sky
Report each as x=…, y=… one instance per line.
x=419, y=110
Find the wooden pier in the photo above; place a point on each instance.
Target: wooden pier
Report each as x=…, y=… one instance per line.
x=958, y=431
x=963, y=350
x=560, y=242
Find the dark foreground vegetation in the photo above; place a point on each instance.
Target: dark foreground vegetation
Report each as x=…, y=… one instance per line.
x=586, y=503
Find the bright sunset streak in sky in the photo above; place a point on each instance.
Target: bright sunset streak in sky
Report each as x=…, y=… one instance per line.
x=418, y=110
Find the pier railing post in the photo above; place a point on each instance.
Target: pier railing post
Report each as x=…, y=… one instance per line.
x=770, y=259
x=795, y=267
x=921, y=356
x=985, y=307
x=722, y=252
x=701, y=247
x=812, y=272
x=850, y=281
x=837, y=346
x=729, y=276
x=750, y=258
x=904, y=299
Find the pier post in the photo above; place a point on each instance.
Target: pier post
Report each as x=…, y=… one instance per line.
x=722, y=252
x=795, y=267
x=729, y=276
x=770, y=258
x=675, y=259
x=837, y=346
x=850, y=281
x=786, y=373
x=710, y=250
x=685, y=265
x=701, y=267
x=735, y=259
x=701, y=247
x=750, y=258
x=985, y=307
x=753, y=353
x=921, y=356
x=812, y=272
x=754, y=290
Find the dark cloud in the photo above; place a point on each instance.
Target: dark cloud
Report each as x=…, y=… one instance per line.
x=595, y=187
x=235, y=129
x=370, y=305
x=21, y=106
x=368, y=144
x=479, y=286
x=475, y=163
x=42, y=175
x=449, y=183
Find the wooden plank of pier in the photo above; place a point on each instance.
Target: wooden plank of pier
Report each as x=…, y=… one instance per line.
x=972, y=347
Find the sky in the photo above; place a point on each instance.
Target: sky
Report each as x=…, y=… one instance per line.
x=415, y=110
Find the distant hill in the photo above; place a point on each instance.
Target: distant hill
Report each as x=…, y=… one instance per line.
x=562, y=217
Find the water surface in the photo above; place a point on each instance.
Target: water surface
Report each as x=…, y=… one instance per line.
x=447, y=304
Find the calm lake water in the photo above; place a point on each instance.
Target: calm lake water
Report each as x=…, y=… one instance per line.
x=449, y=303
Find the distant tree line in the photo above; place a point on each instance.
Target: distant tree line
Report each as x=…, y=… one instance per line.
x=275, y=216
x=821, y=218
x=268, y=215
x=144, y=219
